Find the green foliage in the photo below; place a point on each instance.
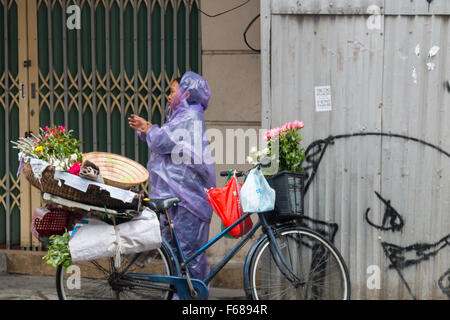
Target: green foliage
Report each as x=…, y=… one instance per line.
x=58, y=251
x=286, y=143
x=291, y=154
x=54, y=145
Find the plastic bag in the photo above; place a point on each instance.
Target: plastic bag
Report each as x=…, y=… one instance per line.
x=226, y=203
x=95, y=239
x=256, y=194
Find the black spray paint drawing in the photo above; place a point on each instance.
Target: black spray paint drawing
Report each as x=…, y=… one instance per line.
x=403, y=257
x=447, y=85
x=399, y=257
x=444, y=283
x=391, y=216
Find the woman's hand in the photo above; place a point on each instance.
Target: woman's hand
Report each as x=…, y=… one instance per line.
x=138, y=123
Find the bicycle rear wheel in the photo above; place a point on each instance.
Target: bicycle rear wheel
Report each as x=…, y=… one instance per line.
x=314, y=259
x=100, y=280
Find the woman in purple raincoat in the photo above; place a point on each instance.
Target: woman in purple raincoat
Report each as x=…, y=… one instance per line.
x=181, y=165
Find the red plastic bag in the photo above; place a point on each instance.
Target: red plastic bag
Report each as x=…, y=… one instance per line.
x=226, y=203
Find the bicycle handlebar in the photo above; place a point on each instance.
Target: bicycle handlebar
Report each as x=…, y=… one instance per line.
x=263, y=163
x=238, y=173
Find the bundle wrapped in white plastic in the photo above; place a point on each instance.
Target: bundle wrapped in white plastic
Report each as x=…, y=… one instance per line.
x=95, y=239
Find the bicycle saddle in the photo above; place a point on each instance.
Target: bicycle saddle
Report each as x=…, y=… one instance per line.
x=161, y=204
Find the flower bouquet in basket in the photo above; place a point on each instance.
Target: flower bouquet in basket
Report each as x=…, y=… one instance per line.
x=52, y=162
x=284, y=147
x=53, y=145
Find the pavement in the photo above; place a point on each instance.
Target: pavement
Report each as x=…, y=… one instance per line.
x=38, y=287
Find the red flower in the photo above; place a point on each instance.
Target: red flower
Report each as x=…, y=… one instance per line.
x=75, y=168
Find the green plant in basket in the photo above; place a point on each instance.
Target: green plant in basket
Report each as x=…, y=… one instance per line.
x=54, y=145
x=58, y=251
x=284, y=141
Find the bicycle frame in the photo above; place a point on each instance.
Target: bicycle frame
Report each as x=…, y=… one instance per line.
x=181, y=283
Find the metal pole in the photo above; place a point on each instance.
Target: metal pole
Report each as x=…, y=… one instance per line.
x=122, y=81
x=80, y=88
x=136, y=76
x=149, y=63
x=188, y=65
x=66, y=114
x=94, y=78
x=50, y=60
x=163, y=67
x=175, y=39
x=199, y=42
x=108, y=78
x=7, y=167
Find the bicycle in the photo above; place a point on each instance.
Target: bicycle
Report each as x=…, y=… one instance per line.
x=286, y=262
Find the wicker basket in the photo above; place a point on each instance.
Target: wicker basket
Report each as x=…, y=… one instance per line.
x=118, y=171
x=93, y=195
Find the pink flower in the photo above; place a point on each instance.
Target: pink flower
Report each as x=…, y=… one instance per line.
x=47, y=135
x=276, y=132
x=62, y=128
x=53, y=131
x=46, y=128
x=299, y=124
x=75, y=168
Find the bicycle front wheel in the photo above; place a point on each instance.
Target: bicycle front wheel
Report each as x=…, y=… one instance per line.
x=101, y=280
x=316, y=262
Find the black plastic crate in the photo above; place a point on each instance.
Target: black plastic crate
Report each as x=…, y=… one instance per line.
x=289, y=189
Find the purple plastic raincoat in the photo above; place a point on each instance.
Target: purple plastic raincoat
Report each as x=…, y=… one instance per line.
x=181, y=165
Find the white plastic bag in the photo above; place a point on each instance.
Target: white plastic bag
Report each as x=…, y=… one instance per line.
x=256, y=193
x=95, y=239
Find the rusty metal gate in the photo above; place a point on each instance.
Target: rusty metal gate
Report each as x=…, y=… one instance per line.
x=86, y=65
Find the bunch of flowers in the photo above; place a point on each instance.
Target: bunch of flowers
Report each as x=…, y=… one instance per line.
x=53, y=145
x=284, y=141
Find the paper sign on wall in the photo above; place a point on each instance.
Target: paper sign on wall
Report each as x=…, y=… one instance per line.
x=323, y=98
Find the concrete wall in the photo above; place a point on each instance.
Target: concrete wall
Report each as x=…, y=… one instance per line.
x=233, y=72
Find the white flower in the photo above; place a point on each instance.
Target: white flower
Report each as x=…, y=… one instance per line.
x=265, y=151
x=253, y=150
x=73, y=157
x=249, y=159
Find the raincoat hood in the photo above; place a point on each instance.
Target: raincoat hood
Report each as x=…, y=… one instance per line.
x=180, y=163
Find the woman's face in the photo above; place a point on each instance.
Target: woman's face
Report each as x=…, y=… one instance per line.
x=173, y=90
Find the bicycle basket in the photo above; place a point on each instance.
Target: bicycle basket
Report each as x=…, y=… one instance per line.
x=289, y=190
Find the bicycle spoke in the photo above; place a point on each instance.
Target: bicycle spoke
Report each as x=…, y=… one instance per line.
x=310, y=258
x=95, y=263
x=111, y=285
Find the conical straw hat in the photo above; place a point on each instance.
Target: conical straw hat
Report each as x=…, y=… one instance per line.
x=117, y=170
